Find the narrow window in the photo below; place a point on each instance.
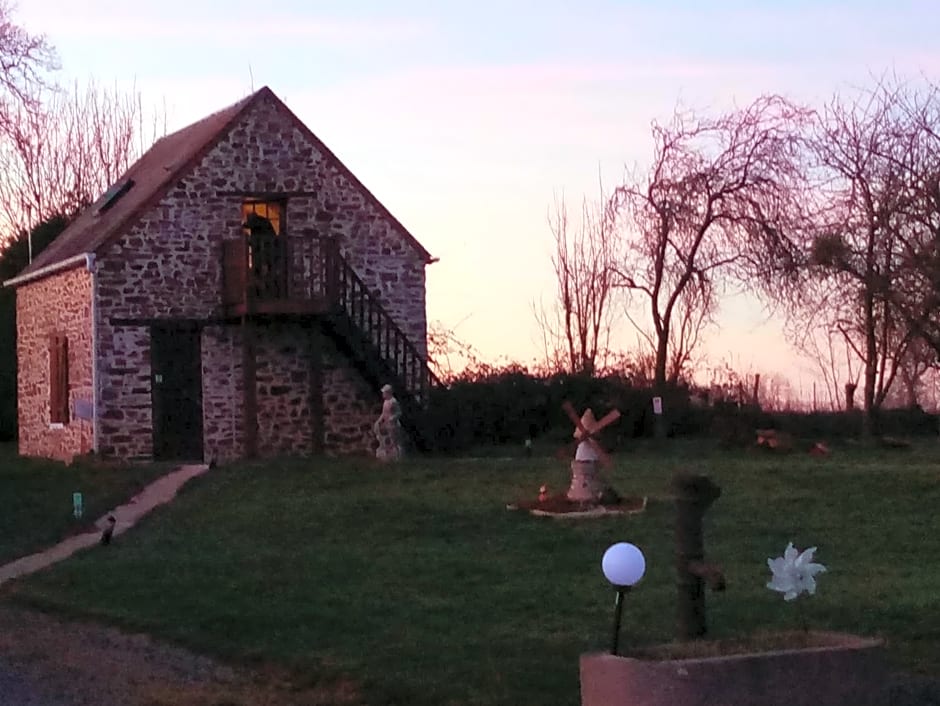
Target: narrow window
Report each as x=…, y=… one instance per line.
x=272, y=211
x=58, y=379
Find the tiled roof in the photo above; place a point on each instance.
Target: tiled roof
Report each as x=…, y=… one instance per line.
x=159, y=167
x=170, y=158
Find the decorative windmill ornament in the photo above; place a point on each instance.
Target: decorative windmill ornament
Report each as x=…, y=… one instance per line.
x=586, y=485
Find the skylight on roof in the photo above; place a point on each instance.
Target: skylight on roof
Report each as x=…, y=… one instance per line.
x=112, y=195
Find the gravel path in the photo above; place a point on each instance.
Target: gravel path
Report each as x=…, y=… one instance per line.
x=909, y=690
x=48, y=661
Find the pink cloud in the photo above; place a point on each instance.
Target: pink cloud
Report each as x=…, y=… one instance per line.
x=66, y=20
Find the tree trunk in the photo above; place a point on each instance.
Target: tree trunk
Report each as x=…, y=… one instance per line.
x=871, y=369
x=659, y=382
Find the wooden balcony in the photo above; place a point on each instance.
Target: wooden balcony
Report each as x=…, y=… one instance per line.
x=279, y=276
x=301, y=276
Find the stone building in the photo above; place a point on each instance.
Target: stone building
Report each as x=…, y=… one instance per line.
x=238, y=292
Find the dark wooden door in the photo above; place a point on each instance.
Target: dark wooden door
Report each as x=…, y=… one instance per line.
x=176, y=382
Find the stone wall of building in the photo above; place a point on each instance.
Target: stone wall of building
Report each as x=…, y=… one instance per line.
x=56, y=305
x=169, y=265
x=350, y=405
x=283, y=389
x=125, y=415
x=285, y=355
x=222, y=415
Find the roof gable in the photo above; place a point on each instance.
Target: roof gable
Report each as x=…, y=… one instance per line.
x=334, y=161
x=146, y=180
x=169, y=159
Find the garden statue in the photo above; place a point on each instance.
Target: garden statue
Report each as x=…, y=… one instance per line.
x=387, y=427
x=108, y=530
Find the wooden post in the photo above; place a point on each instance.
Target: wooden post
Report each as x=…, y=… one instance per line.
x=850, y=388
x=694, y=494
x=332, y=271
x=315, y=351
x=250, y=391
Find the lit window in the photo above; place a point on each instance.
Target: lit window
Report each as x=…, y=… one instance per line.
x=273, y=211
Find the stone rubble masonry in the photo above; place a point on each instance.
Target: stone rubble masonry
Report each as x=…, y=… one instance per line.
x=222, y=382
x=169, y=265
x=284, y=355
x=350, y=406
x=58, y=304
x=125, y=412
x=283, y=390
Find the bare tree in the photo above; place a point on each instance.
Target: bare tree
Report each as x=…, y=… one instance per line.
x=777, y=394
x=918, y=360
x=717, y=203
x=576, y=327
x=928, y=390
x=819, y=327
x=25, y=60
x=694, y=311
x=915, y=291
x=59, y=157
x=448, y=354
x=869, y=157
x=634, y=365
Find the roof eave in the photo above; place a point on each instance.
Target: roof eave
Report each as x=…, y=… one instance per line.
x=86, y=258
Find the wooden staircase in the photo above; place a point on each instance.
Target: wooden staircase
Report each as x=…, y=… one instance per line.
x=365, y=332
x=309, y=277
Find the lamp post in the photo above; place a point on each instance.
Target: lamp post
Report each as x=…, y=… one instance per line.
x=623, y=565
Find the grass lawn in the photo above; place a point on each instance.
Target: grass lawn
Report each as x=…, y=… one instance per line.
x=36, y=498
x=417, y=583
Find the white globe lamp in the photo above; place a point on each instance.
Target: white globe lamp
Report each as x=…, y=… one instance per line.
x=623, y=565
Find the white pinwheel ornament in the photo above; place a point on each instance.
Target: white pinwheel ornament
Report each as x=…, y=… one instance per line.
x=794, y=572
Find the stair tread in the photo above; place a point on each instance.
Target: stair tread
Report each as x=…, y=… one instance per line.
x=368, y=347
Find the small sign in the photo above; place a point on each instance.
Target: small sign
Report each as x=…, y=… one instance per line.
x=657, y=405
x=84, y=409
x=78, y=508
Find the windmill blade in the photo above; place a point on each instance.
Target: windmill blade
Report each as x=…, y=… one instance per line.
x=588, y=436
x=607, y=419
x=573, y=415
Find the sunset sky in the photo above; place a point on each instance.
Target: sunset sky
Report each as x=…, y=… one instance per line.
x=464, y=119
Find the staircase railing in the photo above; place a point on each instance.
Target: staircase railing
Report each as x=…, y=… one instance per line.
x=401, y=359
x=314, y=270
x=286, y=268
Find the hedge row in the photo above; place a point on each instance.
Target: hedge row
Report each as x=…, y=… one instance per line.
x=509, y=406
